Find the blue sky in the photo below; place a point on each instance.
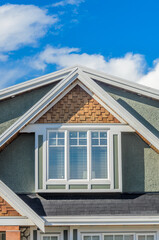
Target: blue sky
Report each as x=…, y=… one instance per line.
x=117, y=37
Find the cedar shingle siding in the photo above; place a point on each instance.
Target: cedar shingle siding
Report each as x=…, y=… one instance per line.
x=77, y=106
x=6, y=209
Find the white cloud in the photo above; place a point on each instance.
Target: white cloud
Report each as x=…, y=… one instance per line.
x=151, y=79
x=68, y=2
x=22, y=25
x=131, y=66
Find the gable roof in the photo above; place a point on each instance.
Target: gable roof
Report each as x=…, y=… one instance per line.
x=93, y=74
x=80, y=74
x=20, y=206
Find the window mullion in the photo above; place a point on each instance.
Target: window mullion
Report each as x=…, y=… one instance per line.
x=89, y=158
x=66, y=157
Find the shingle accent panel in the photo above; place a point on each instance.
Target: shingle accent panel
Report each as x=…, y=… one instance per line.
x=77, y=106
x=6, y=209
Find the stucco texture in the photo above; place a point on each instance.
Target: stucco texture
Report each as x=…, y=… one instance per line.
x=140, y=165
x=13, y=108
x=145, y=109
x=18, y=164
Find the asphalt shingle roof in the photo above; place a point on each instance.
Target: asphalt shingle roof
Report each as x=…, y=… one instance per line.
x=52, y=204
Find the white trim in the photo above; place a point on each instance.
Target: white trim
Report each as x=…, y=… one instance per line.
x=50, y=235
x=15, y=221
x=44, y=129
x=35, y=109
x=145, y=235
x=97, y=90
x=101, y=220
x=122, y=112
x=20, y=206
x=121, y=83
x=34, y=83
x=41, y=128
x=59, y=75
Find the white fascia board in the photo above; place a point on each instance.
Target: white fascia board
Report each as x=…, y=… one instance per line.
x=40, y=128
x=101, y=220
x=122, y=112
x=39, y=106
x=34, y=83
x=20, y=206
x=122, y=83
x=15, y=221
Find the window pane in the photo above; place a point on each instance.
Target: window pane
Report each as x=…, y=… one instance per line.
x=87, y=238
x=60, y=135
x=52, y=134
x=118, y=237
x=99, y=162
x=46, y=238
x=95, y=141
x=73, y=142
x=56, y=162
x=150, y=237
x=78, y=162
x=103, y=134
x=141, y=237
x=128, y=237
x=82, y=134
x=73, y=134
x=103, y=142
x=99, y=155
x=108, y=237
x=95, y=237
x=60, y=142
x=82, y=141
x=94, y=134
x=54, y=238
x=2, y=236
x=52, y=141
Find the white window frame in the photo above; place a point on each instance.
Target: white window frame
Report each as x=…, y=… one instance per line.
x=89, y=179
x=50, y=235
x=113, y=129
x=145, y=234
x=134, y=234
x=91, y=235
x=119, y=233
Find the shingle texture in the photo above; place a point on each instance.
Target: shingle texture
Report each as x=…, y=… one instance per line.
x=77, y=106
x=52, y=204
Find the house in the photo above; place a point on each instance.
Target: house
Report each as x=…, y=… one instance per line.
x=79, y=158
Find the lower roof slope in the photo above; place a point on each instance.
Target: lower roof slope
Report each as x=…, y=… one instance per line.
x=48, y=204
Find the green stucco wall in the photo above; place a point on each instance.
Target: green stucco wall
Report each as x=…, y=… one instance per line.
x=145, y=109
x=13, y=108
x=140, y=165
x=17, y=164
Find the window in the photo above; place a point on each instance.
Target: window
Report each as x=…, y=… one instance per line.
x=50, y=237
x=99, y=155
x=75, y=157
x=119, y=237
x=83, y=154
x=78, y=155
x=91, y=237
x=56, y=155
x=2, y=236
x=145, y=236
